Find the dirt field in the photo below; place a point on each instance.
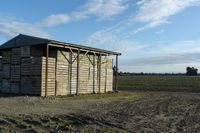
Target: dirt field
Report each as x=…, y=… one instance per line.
x=122, y=112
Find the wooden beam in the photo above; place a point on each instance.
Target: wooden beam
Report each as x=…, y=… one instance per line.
x=65, y=57
x=70, y=73
x=56, y=75
x=46, y=72
x=94, y=56
x=83, y=48
x=99, y=73
x=72, y=53
x=106, y=71
x=116, y=76
x=77, y=78
x=89, y=68
x=113, y=74
x=83, y=55
x=89, y=59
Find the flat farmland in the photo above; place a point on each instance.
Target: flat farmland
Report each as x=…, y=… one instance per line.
x=160, y=83
x=164, y=105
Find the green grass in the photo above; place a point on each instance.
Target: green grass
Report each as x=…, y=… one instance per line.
x=160, y=83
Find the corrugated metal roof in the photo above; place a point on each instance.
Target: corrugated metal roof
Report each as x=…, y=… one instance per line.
x=26, y=40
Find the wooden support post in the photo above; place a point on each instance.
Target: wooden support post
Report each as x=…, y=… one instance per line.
x=78, y=68
x=113, y=75
x=116, y=75
x=106, y=71
x=97, y=77
x=70, y=73
x=99, y=73
x=56, y=75
x=89, y=68
x=46, y=72
x=94, y=73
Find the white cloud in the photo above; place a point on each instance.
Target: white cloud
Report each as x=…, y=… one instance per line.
x=171, y=57
x=11, y=27
x=54, y=19
x=110, y=41
x=150, y=25
x=103, y=9
x=157, y=12
x=181, y=47
x=160, y=32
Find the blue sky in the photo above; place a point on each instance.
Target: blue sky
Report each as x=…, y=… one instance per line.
x=152, y=35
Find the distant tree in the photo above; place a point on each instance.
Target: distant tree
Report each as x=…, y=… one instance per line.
x=191, y=71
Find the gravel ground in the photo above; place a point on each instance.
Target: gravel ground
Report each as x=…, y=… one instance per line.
x=125, y=112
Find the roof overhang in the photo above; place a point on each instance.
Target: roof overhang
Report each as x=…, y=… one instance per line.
x=82, y=48
x=26, y=40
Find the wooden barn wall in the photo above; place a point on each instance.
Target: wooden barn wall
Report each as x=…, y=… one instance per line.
x=109, y=79
x=62, y=73
x=86, y=74
x=51, y=73
x=31, y=75
x=0, y=73
x=6, y=68
x=31, y=63
x=51, y=76
x=21, y=72
x=63, y=69
x=103, y=73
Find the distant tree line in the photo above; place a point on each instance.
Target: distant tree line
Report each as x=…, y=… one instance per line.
x=142, y=73
x=191, y=71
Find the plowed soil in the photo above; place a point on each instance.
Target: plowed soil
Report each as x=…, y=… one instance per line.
x=122, y=112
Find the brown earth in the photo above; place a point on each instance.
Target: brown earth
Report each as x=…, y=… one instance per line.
x=122, y=112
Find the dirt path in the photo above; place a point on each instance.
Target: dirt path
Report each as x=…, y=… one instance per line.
x=149, y=112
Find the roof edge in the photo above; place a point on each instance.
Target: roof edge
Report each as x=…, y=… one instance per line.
x=84, y=47
x=73, y=45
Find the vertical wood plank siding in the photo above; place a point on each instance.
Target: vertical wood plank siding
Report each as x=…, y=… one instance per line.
x=27, y=70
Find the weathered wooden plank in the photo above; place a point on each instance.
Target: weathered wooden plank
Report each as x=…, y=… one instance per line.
x=6, y=69
x=15, y=87
x=6, y=56
x=25, y=51
x=16, y=56
x=51, y=76
x=62, y=73
x=0, y=73
x=15, y=72
x=5, y=85
x=26, y=66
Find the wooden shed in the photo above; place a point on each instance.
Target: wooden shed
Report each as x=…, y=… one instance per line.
x=39, y=66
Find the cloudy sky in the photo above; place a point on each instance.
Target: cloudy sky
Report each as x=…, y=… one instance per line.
x=152, y=35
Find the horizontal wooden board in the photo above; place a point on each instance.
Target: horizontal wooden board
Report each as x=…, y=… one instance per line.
x=25, y=51
x=6, y=84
